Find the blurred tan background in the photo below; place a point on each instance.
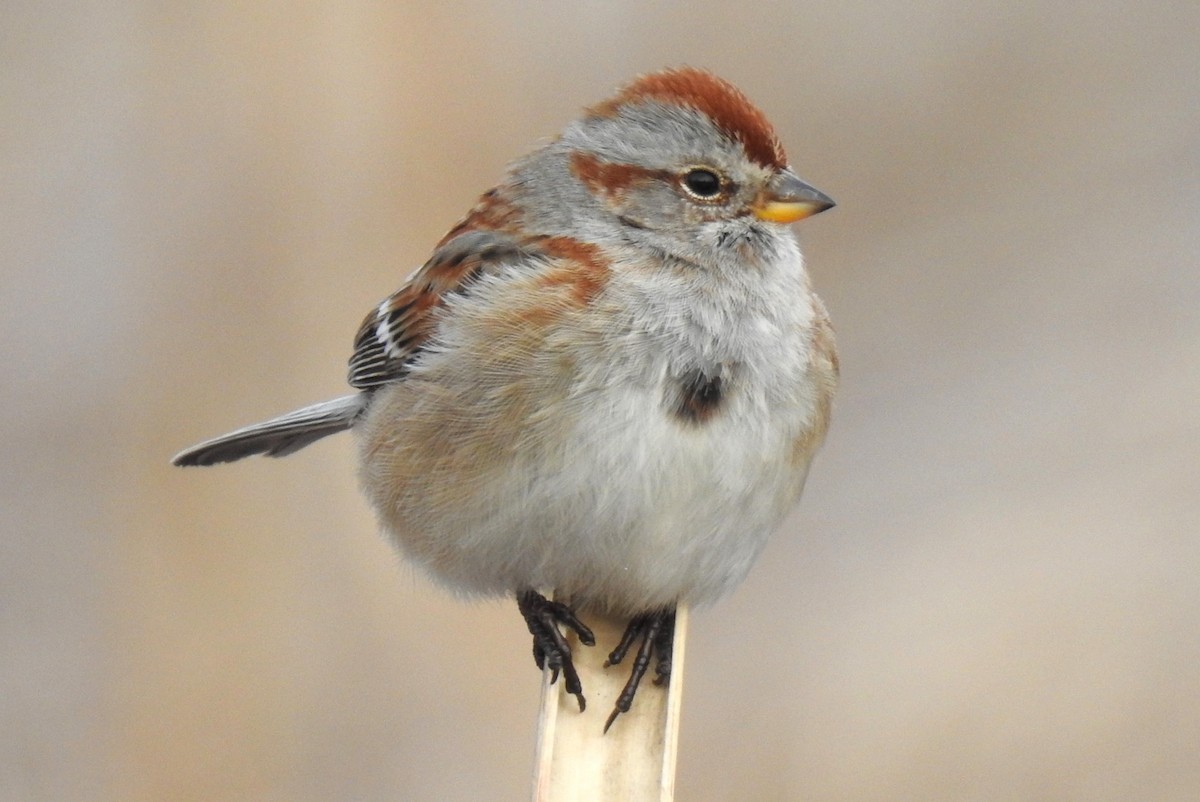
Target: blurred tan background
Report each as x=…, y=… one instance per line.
x=990, y=592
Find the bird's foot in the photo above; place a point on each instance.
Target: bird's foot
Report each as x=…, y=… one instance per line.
x=550, y=648
x=657, y=633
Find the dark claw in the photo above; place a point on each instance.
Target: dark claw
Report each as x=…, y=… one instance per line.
x=550, y=648
x=657, y=632
x=632, y=631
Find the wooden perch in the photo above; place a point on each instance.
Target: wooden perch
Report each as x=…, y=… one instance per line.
x=635, y=761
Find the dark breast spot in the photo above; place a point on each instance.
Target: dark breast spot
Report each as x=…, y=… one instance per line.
x=697, y=397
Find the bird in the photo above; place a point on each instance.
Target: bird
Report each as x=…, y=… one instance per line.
x=604, y=389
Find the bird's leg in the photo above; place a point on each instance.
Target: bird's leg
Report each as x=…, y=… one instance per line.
x=664, y=647
x=550, y=648
x=657, y=633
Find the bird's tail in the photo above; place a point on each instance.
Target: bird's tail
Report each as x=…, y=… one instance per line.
x=280, y=436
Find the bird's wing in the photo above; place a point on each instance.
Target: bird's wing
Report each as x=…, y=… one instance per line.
x=395, y=332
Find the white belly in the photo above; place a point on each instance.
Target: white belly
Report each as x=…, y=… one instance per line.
x=518, y=456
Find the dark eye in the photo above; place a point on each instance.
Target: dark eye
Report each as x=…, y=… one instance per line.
x=702, y=182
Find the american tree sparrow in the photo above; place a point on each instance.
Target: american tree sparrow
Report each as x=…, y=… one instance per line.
x=609, y=379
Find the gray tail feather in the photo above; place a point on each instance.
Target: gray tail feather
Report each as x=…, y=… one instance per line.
x=280, y=436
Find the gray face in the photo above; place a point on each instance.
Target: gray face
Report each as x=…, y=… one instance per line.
x=659, y=176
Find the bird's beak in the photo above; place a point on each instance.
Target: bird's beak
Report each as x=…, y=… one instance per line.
x=788, y=199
